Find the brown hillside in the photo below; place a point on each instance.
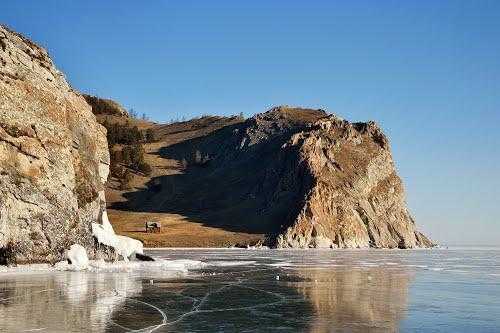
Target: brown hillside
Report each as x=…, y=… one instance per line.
x=178, y=230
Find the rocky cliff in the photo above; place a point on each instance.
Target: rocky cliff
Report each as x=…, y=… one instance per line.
x=53, y=157
x=301, y=177
x=354, y=196
x=350, y=194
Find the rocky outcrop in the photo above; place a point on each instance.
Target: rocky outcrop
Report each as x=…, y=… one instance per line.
x=356, y=198
x=351, y=194
x=53, y=157
x=302, y=177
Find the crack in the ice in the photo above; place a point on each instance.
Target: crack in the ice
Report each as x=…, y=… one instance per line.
x=197, y=302
x=116, y=324
x=196, y=308
x=153, y=327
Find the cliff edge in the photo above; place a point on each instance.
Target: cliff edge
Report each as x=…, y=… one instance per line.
x=54, y=158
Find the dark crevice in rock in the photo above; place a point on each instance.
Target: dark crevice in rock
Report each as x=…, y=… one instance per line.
x=18, y=147
x=400, y=242
x=366, y=220
x=18, y=131
x=20, y=198
x=8, y=254
x=14, y=76
x=3, y=45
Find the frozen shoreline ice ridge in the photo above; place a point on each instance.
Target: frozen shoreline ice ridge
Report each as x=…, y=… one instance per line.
x=124, y=246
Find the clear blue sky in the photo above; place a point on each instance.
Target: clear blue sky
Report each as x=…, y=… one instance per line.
x=427, y=71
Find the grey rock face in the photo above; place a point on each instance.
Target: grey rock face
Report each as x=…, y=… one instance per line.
x=356, y=198
x=53, y=157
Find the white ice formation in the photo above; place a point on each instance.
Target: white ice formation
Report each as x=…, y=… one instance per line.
x=124, y=246
x=78, y=257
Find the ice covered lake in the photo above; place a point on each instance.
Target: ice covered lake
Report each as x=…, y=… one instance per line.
x=236, y=290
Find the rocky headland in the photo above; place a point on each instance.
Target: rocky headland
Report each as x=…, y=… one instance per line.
x=289, y=177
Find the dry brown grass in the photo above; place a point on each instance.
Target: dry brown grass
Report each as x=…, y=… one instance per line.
x=176, y=231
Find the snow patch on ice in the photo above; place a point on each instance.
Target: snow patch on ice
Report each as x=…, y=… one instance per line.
x=100, y=266
x=231, y=263
x=31, y=268
x=128, y=246
x=258, y=247
x=436, y=269
x=416, y=266
x=78, y=257
x=150, y=266
x=368, y=264
x=281, y=264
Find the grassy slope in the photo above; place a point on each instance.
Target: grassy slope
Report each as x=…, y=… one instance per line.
x=177, y=230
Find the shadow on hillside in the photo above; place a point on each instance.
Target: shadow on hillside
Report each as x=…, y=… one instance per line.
x=255, y=190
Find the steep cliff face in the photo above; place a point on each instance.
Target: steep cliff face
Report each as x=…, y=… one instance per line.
x=301, y=177
x=53, y=157
x=356, y=199
x=347, y=192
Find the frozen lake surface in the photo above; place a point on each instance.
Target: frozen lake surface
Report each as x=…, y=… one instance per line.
x=233, y=290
